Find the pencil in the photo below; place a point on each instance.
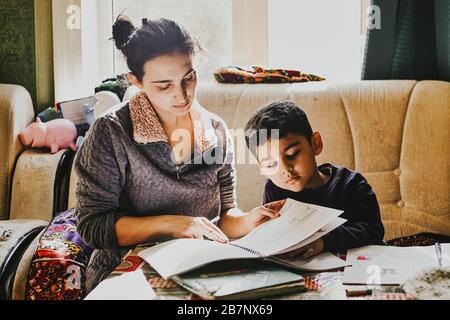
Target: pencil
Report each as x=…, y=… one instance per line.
x=215, y=220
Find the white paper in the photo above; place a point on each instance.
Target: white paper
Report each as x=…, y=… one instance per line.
x=319, y=234
x=297, y=222
x=386, y=265
x=128, y=286
x=181, y=255
x=378, y=275
x=73, y=110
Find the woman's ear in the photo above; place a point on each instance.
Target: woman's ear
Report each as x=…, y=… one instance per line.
x=317, y=143
x=132, y=78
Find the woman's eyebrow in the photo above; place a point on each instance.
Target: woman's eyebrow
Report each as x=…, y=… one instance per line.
x=165, y=81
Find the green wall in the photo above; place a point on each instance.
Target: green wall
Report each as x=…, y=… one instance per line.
x=26, y=48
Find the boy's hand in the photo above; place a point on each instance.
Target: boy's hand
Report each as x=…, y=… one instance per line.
x=261, y=214
x=275, y=205
x=308, y=251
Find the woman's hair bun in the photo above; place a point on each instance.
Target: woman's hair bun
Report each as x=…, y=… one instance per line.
x=123, y=28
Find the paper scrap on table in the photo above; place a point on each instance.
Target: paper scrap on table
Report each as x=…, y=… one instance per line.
x=128, y=286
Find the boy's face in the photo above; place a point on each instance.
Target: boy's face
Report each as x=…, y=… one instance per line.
x=290, y=162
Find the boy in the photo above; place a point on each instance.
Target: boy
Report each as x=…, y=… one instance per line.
x=281, y=138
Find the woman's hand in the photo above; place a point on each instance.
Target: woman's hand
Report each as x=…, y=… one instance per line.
x=195, y=227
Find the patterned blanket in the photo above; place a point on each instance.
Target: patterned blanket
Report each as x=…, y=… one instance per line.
x=259, y=75
x=57, y=271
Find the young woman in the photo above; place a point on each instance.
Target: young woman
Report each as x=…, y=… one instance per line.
x=144, y=170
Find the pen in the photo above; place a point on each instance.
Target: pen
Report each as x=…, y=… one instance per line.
x=215, y=220
x=438, y=248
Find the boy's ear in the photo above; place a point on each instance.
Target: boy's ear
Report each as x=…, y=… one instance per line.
x=317, y=143
x=132, y=78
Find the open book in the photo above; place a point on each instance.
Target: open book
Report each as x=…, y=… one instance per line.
x=243, y=279
x=298, y=225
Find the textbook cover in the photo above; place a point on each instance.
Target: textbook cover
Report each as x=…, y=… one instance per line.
x=240, y=280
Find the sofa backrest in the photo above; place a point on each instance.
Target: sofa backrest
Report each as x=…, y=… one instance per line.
x=16, y=112
x=395, y=132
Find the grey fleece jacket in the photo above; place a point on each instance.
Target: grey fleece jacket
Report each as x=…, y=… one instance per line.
x=118, y=176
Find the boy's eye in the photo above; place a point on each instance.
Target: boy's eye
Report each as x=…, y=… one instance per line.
x=292, y=156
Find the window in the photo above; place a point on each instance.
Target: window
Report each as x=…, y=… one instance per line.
x=209, y=21
x=323, y=37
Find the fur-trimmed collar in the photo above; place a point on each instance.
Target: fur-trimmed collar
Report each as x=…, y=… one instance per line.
x=147, y=127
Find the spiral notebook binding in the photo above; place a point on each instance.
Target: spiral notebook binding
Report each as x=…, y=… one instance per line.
x=256, y=253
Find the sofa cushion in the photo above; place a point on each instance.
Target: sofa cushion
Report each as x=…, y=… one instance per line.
x=20, y=278
x=395, y=132
x=22, y=233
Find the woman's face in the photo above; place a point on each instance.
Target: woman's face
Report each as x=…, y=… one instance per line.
x=169, y=82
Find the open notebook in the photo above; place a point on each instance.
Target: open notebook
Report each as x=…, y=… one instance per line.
x=240, y=279
x=298, y=225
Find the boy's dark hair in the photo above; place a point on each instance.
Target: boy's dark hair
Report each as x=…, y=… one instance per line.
x=276, y=120
x=153, y=39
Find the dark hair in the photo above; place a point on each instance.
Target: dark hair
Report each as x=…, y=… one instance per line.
x=153, y=39
x=284, y=116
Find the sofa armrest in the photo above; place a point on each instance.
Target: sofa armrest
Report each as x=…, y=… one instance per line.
x=40, y=184
x=72, y=188
x=16, y=112
x=22, y=233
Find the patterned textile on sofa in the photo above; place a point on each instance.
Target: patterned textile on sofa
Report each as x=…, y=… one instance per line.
x=57, y=271
x=260, y=75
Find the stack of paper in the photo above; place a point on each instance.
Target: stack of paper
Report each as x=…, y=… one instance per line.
x=383, y=265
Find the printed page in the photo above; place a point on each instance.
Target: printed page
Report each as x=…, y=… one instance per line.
x=391, y=265
x=180, y=255
x=378, y=275
x=319, y=234
x=399, y=256
x=297, y=222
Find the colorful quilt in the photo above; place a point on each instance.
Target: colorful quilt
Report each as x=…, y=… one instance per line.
x=260, y=75
x=57, y=271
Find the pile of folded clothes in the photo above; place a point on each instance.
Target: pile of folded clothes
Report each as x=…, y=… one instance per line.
x=261, y=75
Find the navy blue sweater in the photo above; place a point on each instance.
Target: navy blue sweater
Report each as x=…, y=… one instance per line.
x=345, y=190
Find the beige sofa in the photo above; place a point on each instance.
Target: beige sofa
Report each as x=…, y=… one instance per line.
x=396, y=132
x=29, y=178
x=33, y=187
